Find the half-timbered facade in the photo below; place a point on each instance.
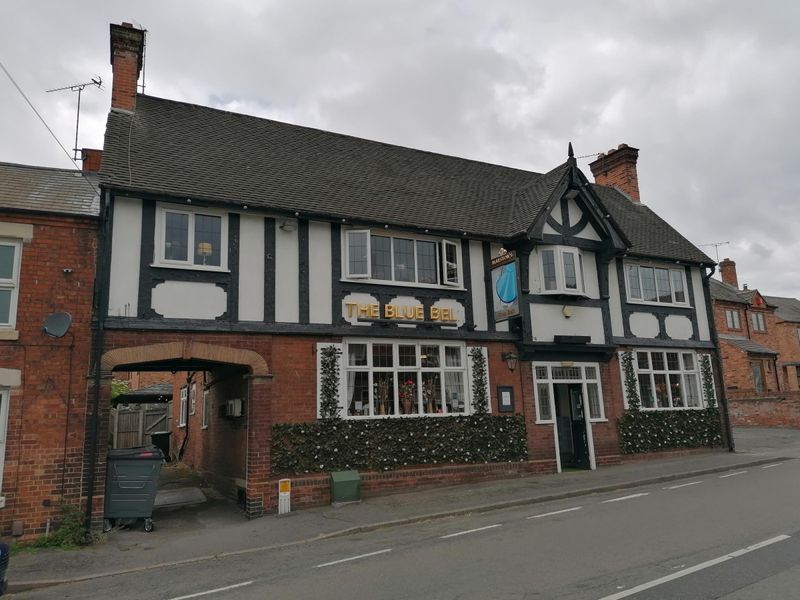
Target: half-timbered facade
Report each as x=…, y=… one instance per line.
x=238, y=247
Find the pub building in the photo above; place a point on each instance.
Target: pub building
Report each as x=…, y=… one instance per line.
x=237, y=249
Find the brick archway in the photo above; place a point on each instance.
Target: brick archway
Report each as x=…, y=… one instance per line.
x=184, y=350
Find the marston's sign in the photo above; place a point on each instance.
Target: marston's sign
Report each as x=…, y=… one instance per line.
x=414, y=312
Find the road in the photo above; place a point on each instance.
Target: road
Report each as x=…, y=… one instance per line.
x=733, y=535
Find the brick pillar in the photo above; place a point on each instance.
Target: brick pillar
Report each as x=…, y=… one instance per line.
x=617, y=168
x=104, y=405
x=259, y=445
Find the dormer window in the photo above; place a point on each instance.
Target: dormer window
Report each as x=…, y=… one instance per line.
x=194, y=239
x=657, y=285
x=401, y=259
x=562, y=270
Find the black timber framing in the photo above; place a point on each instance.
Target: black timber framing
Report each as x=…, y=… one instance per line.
x=466, y=270
x=487, y=285
x=303, y=269
x=336, y=275
x=233, y=267
x=269, y=270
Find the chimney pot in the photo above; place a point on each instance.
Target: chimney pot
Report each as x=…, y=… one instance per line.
x=127, y=50
x=727, y=270
x=617, y=168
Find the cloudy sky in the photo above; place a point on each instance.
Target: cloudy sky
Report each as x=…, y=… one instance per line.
x=709, y=91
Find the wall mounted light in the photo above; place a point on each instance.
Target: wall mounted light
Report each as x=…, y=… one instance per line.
x=511, y=360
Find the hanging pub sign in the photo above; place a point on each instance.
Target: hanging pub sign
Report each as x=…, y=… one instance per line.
x=505, y=286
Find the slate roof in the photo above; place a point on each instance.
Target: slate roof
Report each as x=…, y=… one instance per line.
x=183, y=150
x=786, y=309
x=42, y=189
x=722, y=291
x=747, y=345
x=158, y=392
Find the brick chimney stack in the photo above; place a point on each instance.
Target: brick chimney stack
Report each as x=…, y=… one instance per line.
x=617, y=168
x=727, y=269
x=127, y=49
x=91, y=158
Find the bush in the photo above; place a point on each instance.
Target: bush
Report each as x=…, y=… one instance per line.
x=641, y=431
x=388, y=444
x=69, y=531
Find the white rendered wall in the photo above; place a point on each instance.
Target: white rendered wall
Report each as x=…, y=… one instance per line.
x=126, y=240
x=251, y=268
x=548, y=321
x=319, y=276
x=700, y=305
x=287, y=278
x=477, y=270
x=615, y=301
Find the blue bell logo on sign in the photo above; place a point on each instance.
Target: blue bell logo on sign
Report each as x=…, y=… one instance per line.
x=505, y=286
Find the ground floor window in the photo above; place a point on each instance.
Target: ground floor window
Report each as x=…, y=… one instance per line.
x=548, y=375
x=183, y=407
x=395, y=378
x=668, y=380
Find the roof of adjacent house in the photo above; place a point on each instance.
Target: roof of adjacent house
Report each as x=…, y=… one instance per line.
x=184, y=150
x=158, y=392
x=786, y=309
x=726, y=292
x=44, y=189
x=747, y=345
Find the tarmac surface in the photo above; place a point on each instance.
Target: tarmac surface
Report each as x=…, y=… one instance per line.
x=215, y=528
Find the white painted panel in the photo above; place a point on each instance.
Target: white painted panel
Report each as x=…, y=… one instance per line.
x=591, y=283
x=495, y=251
x=678, y=327
x=614, y=301
x=457, y=308
x=556, y=213
x=10, y=378
x=351, y=316
x=589, y=233
x=535, y=271
x=644, y=325
x=700, y=305
x=287, y=273
x=575, y=212
x=319, y=268
x=189, y=300
x=126, y=240
x=549, y=229
x=251, y=268
x=548, y=321
x=478, y=273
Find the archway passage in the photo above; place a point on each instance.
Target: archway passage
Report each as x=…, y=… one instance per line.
x=219, y=422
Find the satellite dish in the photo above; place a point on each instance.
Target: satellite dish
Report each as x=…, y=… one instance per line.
x=57, y=324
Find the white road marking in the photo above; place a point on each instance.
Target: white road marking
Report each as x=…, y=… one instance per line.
x=341, y=560
x=675, y=487
x=555, y=512
x=732, y=474
x=694, y=569
x=451, y=535
x=772, y=465
x=214, y=591
x=626, y=497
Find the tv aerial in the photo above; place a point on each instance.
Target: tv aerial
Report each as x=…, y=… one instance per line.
x=79, y=87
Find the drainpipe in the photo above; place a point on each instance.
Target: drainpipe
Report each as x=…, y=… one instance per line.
x=719, y=378
x=101, y=309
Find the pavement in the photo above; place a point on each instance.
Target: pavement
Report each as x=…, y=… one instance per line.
x=216, y=528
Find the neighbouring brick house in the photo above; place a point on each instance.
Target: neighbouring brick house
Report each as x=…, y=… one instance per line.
x=295, y=271
x=48, y=235
x=759, y=340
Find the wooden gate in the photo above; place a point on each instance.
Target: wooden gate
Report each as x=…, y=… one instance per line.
x=132, y=424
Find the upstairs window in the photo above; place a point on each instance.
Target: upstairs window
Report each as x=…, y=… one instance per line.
x=401, y=259
x=191, y=239
x=732, y=319
x=562, y=270
x=652, y=284
x=759, y=324
x=9, y=281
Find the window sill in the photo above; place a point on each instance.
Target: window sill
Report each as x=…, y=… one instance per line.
x=204, y=427
x=182, y=426
x=184, y=267
x=671, y=304
x=544, y=422
x=643, y=409
x=569, y=294
x=408, y=284
x=9, y=334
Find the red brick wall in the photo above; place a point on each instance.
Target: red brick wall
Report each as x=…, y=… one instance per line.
x=47, y=414
x=766, y=410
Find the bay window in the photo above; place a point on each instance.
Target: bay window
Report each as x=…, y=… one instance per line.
x=655, y=284
x=401, y=259
x=191, y=239
x=668, y=380
x=391, y=378
x=562, y=270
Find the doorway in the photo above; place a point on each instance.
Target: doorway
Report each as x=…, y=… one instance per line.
x=573, y=443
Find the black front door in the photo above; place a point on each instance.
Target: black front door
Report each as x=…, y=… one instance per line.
x=573, y=445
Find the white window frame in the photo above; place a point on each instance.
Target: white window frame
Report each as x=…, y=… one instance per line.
x=5, y=401
x=671, y=270
x=12, y=284
x=682, y=371
x=558, y=257
x=205, y=409
x=396, y=369
x=182, y=409
x=584, y=380
x=758, y=321
x=193, y=399
x=161, y=221
x=442, y=280
x=732, y=319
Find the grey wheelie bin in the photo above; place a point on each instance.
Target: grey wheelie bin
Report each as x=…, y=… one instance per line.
x=131, y=484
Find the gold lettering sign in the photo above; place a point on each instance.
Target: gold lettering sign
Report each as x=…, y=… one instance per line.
x=356, y=310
